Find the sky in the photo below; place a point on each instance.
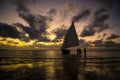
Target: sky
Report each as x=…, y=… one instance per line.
x=45, y=22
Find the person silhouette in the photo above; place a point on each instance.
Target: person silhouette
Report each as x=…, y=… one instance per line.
x=79, y=52
x=84, y=52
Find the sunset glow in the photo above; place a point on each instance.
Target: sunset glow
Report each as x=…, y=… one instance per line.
x=31, y=22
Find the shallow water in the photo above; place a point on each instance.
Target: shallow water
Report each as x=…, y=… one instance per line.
x=52, y=65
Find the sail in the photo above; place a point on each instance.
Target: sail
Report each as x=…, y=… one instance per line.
x=71, y=38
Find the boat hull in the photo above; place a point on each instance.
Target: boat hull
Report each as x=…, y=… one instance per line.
x=64, y=51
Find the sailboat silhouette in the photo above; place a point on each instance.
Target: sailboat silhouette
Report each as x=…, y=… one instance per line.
x=70, y=39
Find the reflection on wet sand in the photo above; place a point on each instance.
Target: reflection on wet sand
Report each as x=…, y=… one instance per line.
x=68, y=67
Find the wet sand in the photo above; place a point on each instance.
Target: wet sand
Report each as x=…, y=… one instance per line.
x=51, y=65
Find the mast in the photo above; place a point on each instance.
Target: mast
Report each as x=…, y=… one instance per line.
x=71, y=38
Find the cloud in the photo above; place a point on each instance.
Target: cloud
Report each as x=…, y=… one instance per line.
x=98, y=43
x=87, y=32
x=37, y=23
x=80, y=15
x=51, y=14
x=104, y=35
x=112, y=36
x=111, y=5
x=52, y=11
x=8, y=31
x=33, y=33
x=99, y=36
x=68, y=7
x=97, y=24
x=101, y=43
x=60, y=32
x=20, y=5
x=12, y=31
x=83, y=43
x=109, y=43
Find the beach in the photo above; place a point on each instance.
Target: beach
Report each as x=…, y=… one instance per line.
x=52, y=65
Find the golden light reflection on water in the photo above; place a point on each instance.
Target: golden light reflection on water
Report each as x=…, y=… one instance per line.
x=15, y=66
x=49, y=69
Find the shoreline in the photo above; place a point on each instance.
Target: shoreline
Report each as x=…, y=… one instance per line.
x=58, y=48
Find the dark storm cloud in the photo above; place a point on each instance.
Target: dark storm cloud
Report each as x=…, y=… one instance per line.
x=33, y=33
x=20, y=4
x=8, y=31
x=51, y=14
x=97, y=43
x=112, y=36
x=101, y=43
x=60, y=32
x=37, y=23
x=12, y=32
x=87, y=32
x=111, y=5
x=109, y=43
x=97, y=24
x=80, y=15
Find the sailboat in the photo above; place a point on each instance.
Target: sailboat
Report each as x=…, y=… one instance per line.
x=70, y=39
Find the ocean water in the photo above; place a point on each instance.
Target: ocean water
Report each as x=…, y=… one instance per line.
x=53, y=65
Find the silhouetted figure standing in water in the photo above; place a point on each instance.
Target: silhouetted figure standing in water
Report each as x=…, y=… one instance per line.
x=85, y=53
x=79, y=52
